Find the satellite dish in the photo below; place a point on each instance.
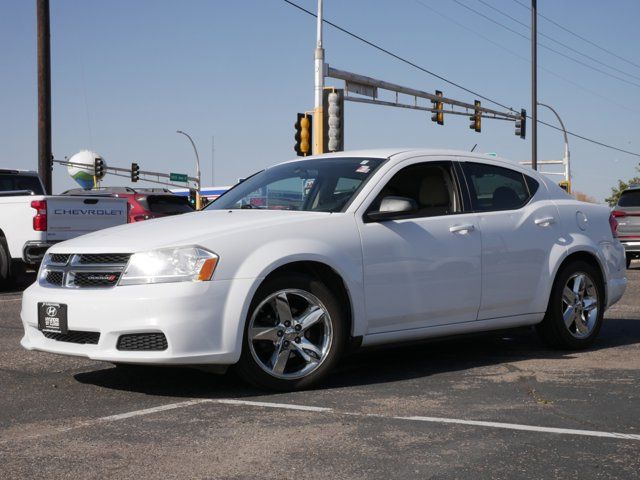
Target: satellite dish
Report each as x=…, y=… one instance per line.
x=84, y=176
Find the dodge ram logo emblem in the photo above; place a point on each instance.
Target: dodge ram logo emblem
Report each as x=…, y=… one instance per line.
x=52, y=311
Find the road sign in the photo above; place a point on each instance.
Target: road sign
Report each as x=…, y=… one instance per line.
x=178, y=177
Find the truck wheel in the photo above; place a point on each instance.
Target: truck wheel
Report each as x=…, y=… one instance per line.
x=5, y=264
x=294, y=334
x=576, y=307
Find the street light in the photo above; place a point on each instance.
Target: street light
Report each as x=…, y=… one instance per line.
x=565, y=158
x=198, y=199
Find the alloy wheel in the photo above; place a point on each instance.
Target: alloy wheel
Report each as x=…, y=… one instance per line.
x=580, y=304
x=290, y=334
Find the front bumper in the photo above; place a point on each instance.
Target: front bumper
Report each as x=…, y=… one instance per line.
x=202, y=321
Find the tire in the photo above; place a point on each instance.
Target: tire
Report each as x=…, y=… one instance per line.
x=629, y=258
x=583, y=305
x=5, y=265
x=278, y=351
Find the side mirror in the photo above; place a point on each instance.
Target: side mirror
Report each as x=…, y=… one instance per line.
x=393, y=207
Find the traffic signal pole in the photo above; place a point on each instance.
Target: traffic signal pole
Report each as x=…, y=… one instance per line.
x=318, y=86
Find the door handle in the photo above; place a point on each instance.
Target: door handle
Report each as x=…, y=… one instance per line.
x=462, y=229
x=545, y=222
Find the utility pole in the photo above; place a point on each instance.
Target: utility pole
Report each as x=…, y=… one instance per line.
x=534, y=85
x=319, y=86
x=44, y=95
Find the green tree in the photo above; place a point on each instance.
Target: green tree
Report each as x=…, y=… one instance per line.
x=622, y=186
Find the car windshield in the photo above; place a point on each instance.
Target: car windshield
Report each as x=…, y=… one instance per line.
x=12, y=182
x=326, y=185
x=630, y=198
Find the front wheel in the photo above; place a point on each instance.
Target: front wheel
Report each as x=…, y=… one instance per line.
x=294, y=334
x=576, y=307
x=629, y=258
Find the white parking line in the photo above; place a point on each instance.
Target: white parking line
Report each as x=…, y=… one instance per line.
x=310, y=408
x=285, y=406
x=147, y=411
x=506, y=426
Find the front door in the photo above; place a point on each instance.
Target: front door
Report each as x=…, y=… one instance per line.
x=423, y=269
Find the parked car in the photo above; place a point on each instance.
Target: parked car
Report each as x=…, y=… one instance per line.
x=627, y=214
x=344, y=250
x=31, y=222
x=144, y=203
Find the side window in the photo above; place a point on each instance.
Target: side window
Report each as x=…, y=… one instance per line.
x=430, y=185
x=497, y=188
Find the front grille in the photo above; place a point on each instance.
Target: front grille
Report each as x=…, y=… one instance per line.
x=74, y=336
x=55, y=278
x=142, y=341
x=104, y=258
x=95, y=279
x=59, y=258
x=92, y=270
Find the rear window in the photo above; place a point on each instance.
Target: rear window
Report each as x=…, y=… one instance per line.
x=12, y=182
x=630, y=198
x=168, y=204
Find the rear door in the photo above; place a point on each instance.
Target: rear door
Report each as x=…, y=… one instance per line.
x=519, y=226
x=71, y=216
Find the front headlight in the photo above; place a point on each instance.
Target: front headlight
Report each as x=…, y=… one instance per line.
x=184, y=264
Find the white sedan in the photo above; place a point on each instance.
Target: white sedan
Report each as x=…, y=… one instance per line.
x=309, y=258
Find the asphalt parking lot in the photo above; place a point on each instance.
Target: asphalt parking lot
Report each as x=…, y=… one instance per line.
x=483, y=407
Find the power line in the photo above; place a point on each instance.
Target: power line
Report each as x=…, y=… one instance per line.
x=579, y=36
x=580, y=62
x=568, y=47
x=523, y=58
x=398, y=57
x=408, y=62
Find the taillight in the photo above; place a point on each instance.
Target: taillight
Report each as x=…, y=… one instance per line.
x=40, y=219
x=613, y=223
x=618, y=213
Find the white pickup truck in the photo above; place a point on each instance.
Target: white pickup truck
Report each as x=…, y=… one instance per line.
x=31, y=222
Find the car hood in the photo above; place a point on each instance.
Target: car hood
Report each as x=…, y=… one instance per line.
x=187, y=229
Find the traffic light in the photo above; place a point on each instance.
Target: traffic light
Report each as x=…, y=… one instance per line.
x=333, y=120
x=565, y=185
x=438, y=115
x=476, y=118
x=304, y=127
x=135, y=172
x=98, y=168
x=193, y=195
x=521, y=124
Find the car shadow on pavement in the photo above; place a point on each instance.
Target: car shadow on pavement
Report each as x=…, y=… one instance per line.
x=366, y=367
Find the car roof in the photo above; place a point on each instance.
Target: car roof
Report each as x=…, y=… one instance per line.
x=399, y=154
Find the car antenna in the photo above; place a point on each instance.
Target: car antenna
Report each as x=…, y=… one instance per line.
x=474, y=147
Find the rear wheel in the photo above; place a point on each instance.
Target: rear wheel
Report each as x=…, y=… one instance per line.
x=294, y=334
x=576, y=307
x=629, y=258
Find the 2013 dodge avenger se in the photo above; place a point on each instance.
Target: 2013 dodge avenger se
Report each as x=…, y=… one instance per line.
x=305, y=259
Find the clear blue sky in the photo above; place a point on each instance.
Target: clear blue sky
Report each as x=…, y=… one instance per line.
x=127, y=74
